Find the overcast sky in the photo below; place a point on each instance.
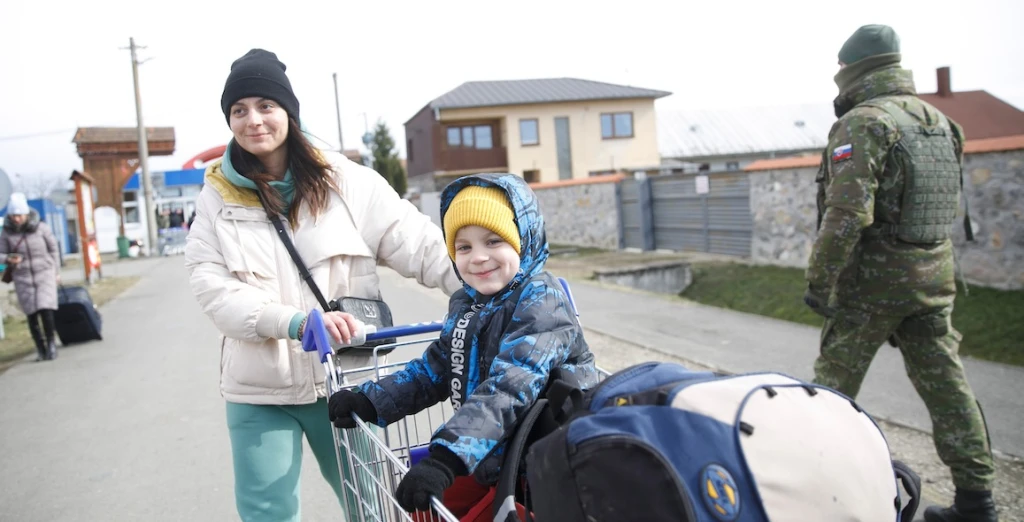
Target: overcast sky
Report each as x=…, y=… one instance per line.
x=62, y=67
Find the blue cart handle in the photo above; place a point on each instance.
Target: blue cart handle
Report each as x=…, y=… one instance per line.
x=405, y=330
x=316, y=339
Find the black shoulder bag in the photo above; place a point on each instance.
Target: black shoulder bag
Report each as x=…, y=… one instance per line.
x=369, y=311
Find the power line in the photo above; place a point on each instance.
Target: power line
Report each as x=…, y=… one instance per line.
x=34, y=135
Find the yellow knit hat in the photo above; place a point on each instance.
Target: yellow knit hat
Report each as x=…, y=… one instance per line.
x=487, y=207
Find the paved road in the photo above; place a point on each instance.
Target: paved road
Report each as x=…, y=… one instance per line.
x=132, y=428
x=740, y=342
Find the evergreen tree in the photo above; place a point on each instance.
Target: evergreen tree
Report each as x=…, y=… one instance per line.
x=385, y=158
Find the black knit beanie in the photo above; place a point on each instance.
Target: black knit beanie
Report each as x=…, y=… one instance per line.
x=259, y=73
x=869, y=40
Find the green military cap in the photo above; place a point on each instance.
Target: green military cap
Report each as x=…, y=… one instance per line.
x=869, y=40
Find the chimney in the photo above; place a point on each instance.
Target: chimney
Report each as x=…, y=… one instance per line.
x=943, y=89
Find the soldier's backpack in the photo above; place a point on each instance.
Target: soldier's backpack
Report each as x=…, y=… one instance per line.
x=658, y=442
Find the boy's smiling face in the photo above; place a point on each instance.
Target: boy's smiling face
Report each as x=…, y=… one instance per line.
x=485, y=261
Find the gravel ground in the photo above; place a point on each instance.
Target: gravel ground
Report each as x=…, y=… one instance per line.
x=908, y=445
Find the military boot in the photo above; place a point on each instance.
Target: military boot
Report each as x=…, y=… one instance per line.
x=968, y=506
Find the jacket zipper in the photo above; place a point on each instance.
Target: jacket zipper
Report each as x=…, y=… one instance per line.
x=311, y=360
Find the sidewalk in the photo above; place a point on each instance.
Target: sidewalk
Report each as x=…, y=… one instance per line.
x=739, y=342
x=132, y=427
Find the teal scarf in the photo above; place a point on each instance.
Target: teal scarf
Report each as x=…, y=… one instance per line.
x=285, y=187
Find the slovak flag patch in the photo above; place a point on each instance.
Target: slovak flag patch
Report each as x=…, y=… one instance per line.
x=842, y=153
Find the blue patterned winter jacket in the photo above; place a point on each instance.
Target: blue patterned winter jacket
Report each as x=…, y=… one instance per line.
x=501, y=364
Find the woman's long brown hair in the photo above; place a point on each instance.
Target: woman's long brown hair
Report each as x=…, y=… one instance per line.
x=310, y=173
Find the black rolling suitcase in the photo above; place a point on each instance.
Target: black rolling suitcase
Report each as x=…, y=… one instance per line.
x=77, y=319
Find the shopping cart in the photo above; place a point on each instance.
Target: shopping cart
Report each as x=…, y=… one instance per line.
x=374, y=460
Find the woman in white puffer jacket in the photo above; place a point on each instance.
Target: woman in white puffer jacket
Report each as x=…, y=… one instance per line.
x=343, y=219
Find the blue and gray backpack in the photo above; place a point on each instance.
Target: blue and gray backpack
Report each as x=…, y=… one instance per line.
x=658, y=442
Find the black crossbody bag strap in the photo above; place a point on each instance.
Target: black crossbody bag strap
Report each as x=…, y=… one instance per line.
x=303, y=271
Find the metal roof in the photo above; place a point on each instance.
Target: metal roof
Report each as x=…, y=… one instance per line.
x=549, y=90
x=733, y=131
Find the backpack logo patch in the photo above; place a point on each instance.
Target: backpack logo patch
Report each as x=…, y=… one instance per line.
x=720, y=494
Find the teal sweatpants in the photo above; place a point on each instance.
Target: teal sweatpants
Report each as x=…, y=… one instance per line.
x=266, y=446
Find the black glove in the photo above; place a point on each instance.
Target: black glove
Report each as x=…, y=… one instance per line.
x=818, y=301
x=429, y=478
x=343, y=404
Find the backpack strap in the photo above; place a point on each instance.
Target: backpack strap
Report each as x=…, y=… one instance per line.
x=912, y=484
x=558, y=402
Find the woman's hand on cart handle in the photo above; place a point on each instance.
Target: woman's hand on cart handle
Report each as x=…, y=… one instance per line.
x=322, y=332
x=342, y=327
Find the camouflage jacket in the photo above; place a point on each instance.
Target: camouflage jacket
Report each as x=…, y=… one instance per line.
x=494, y=370
x=862, y=271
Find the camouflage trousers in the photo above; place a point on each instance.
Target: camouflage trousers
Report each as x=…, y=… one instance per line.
x=929, y=343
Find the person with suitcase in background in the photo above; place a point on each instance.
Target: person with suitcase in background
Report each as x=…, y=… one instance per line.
x=29, y=249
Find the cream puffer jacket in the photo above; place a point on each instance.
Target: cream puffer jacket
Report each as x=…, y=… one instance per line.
x=245, y=281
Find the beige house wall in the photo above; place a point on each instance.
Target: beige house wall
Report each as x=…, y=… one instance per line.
x=590, y=153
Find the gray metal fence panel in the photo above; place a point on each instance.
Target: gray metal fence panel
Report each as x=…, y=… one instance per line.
x=632, y=230
x=718, y=222
x=729, y=220
x=678, y=214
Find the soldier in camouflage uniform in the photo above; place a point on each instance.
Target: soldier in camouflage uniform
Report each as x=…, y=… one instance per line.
x=882, y=266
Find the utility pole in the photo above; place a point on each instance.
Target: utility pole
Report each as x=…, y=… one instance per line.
x=147, y=183
x=337, y=109
x=367, y=141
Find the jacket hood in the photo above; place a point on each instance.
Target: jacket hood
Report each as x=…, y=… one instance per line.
x=30, y=225
x=533, y=251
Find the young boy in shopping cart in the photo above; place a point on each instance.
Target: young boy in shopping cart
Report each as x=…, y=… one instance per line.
x=506, y=331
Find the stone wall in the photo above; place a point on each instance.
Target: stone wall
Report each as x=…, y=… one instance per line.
x=994, y=184
x=581, y=213
x=785, y=218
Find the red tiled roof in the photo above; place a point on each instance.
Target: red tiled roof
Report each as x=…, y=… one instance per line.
x=981, y=114
x=607, y=178
x=1000, y=144
x=994, y=144
x=797, y=162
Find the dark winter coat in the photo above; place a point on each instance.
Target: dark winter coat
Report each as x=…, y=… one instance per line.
x=494, y=354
